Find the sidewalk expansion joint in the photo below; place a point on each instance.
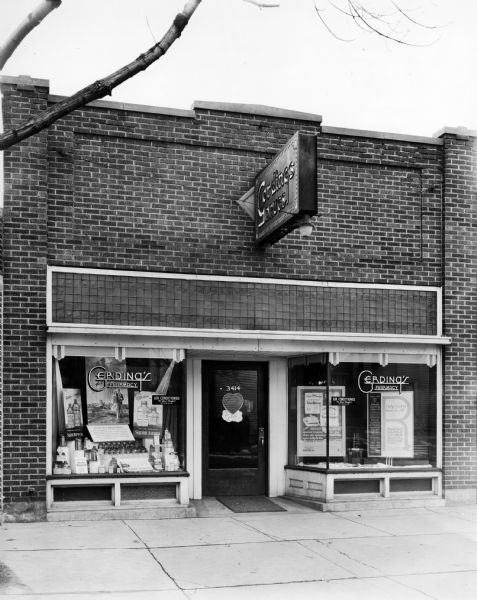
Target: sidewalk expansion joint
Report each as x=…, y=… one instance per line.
x=246, y=525
x=410, y=587
x=327, y=544
x=135, y=533
x=166, y=572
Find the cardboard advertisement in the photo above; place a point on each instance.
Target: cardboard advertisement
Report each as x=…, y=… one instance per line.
x=397, y=424
x=148, y=415
x=391, y=424
x=107, y=390
x=73, y=413
x=311, y=422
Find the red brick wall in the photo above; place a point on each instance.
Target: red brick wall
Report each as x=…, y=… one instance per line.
x=157, y=193
x=131, y=190
x=460, y=315
x=24, y=254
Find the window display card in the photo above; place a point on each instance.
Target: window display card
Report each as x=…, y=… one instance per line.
x=311, y=422
x=374, y=424
x=147, y=416
x=73, y=413
x=313, y=403
x=137, y=463
x=107, y=384
x=398, y=424
x=391, y=424
x=110, y=433
x=79, y=464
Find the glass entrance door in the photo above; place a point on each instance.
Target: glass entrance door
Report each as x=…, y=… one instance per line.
x=235, y=432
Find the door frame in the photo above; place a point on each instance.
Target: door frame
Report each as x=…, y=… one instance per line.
x=263, y=384
x=277, y=423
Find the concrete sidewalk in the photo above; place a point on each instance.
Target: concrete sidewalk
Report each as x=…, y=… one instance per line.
x=412, y=554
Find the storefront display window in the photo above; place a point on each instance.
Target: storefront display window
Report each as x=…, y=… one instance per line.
x=360, y=414
x=117, y=416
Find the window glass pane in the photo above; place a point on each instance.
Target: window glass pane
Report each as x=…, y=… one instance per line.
x=232, y=418
x=390, y=414
x=378, y=417
x=304, y=371
x=146, y=395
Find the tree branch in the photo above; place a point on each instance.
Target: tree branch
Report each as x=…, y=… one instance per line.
x=102, y=87
x=358, y=12
x=328, y=28
x=263, y=4
x=384, y=24
x=32, y=20
x=406, y=16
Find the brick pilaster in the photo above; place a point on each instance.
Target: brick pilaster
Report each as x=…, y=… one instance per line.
x=460, y=318
x=24, y=250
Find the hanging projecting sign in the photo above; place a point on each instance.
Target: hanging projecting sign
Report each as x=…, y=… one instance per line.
x=285, y=191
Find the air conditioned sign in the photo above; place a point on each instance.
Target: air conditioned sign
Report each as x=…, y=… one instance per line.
x=285, y=191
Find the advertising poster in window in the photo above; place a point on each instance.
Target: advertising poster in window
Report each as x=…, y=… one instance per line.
x=391, y=424
x=374, y=424
x=141, y=394
x=397, y=435
x=147, y=417
x=107, y=384
x=311, y=422
x=73, y=413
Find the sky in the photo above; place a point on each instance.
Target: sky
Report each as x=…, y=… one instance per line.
x=233, y=51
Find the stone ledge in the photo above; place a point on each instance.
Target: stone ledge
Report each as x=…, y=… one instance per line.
x=256, y=109
x=381, y=135
x=459, y=132
x=120, y=513
x=131, y=107
x=368, y=503
x=22, y=80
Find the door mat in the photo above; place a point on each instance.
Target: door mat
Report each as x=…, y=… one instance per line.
x=244, y=504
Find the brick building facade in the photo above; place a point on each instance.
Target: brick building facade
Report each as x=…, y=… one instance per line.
x=122, y=232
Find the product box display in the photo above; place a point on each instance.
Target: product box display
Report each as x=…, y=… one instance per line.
x=87, y=456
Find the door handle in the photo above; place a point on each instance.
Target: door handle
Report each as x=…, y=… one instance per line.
x=261, y=436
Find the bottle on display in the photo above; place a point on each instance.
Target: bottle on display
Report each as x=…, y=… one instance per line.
x=76, y=414
x=171, y=461
x=153, y=417
x=167, y=440
x=62, y=453
x=155, y=455
x=70, y=417
x=113, y=466
x=93, y=464
x=142, y=415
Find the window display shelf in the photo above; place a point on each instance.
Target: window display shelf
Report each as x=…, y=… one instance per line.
x=379, y=468
x=114, y=482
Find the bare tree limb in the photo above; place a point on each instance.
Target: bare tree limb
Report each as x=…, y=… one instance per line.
x=31, y=21
x=328, y=28
x=102, y=87
x=263, y=4
x=363, y=19
x=384, y=24
x=406, y=16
